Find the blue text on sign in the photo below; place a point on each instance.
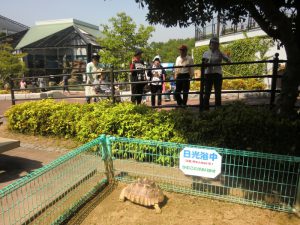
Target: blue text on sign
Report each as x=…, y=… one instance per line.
x=199, y=155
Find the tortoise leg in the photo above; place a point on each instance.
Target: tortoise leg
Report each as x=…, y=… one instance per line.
x=157, y=208
x=122, y=196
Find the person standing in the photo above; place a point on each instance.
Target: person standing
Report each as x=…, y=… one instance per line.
x=42, y=84
x=66, y=71
x=182, y=75
x=91, y=69
x=137, y=89
x=23, y=84
x=157, y=76
x=213, y=74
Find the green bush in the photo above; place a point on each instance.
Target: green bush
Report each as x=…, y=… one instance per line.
x=236, y=126
x=243, y=84
x=4, y=92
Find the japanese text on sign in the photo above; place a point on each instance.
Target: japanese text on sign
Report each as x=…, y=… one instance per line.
x=200, y=162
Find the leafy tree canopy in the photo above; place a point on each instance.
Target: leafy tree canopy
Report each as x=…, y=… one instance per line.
x=121, y=38
x=272, y=16
x=10, y=64
x=168, y=51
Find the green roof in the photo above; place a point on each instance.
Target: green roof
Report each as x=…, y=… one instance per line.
x=44, y=29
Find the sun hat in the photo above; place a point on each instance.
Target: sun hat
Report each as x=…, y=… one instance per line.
x=157, y=57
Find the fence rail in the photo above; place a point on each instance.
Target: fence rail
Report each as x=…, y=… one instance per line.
x=114, y=82
x=53, y=193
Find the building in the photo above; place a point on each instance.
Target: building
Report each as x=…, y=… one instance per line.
x=8, y=26
x=49, y=44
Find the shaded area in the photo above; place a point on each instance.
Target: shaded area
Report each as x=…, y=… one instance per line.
x=14, y=167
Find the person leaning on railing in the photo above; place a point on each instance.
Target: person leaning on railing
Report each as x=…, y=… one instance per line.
x=213, y=74
x=182, y=75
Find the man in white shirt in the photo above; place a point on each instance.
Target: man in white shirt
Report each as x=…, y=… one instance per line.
x=182, y=75
x=90, y=76
x=213, y=74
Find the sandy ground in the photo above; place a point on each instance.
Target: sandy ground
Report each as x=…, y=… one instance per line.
x=179, y=209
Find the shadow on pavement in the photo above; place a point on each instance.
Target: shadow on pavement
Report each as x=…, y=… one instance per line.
x=14, y=167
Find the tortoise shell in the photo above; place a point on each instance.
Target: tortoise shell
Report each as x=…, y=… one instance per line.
x=144, y=192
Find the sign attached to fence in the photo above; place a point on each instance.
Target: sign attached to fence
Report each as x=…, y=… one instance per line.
x=200, y=162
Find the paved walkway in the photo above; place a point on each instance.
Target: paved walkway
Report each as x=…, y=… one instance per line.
x=8, y=144
x=18, y=162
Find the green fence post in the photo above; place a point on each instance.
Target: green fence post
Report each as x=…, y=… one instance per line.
x=107, y=158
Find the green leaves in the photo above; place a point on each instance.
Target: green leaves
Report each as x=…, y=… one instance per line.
x=121, y=38
x=10, y=64
x=169, y=50
x=235, y=126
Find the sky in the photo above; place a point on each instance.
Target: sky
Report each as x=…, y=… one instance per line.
x=92, y=11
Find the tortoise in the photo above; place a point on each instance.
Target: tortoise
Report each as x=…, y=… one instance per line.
x=144, y=192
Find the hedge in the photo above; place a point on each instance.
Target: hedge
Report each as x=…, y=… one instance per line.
x=235, y=126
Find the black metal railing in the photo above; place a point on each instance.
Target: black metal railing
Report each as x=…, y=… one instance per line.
x=219, y=28
x=115, y=83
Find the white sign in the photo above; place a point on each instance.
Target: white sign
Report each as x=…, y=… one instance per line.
x=200, y=162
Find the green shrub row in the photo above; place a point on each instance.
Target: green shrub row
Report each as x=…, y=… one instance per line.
x=236, y=84
x=236, y=126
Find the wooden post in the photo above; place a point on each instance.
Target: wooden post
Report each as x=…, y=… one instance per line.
x=112, y=77
x=274, y=79
x=12, y=92
x=201, y=99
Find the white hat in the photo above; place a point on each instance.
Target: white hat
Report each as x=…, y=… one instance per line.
x=156, y=57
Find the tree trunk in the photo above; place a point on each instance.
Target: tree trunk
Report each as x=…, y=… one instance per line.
x=290, y=82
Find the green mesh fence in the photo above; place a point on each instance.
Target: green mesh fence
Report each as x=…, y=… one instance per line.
x=49, y=194
x=252, y=178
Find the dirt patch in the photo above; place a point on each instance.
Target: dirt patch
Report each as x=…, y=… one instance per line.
x=179, y=209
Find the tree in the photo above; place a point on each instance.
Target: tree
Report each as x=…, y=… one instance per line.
x=169, y=50
x=279, y=19
x=11, y=65
x=121, y=39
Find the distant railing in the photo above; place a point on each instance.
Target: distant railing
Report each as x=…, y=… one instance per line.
x=115, y=83
x=218, y=28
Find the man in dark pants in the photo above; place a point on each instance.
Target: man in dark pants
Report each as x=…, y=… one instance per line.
x=182, y=75
x=136, y=76
x=213, y=74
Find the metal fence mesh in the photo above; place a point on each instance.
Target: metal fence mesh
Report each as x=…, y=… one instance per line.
x=45, y=195
x=51, y=194
x=259, y=179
